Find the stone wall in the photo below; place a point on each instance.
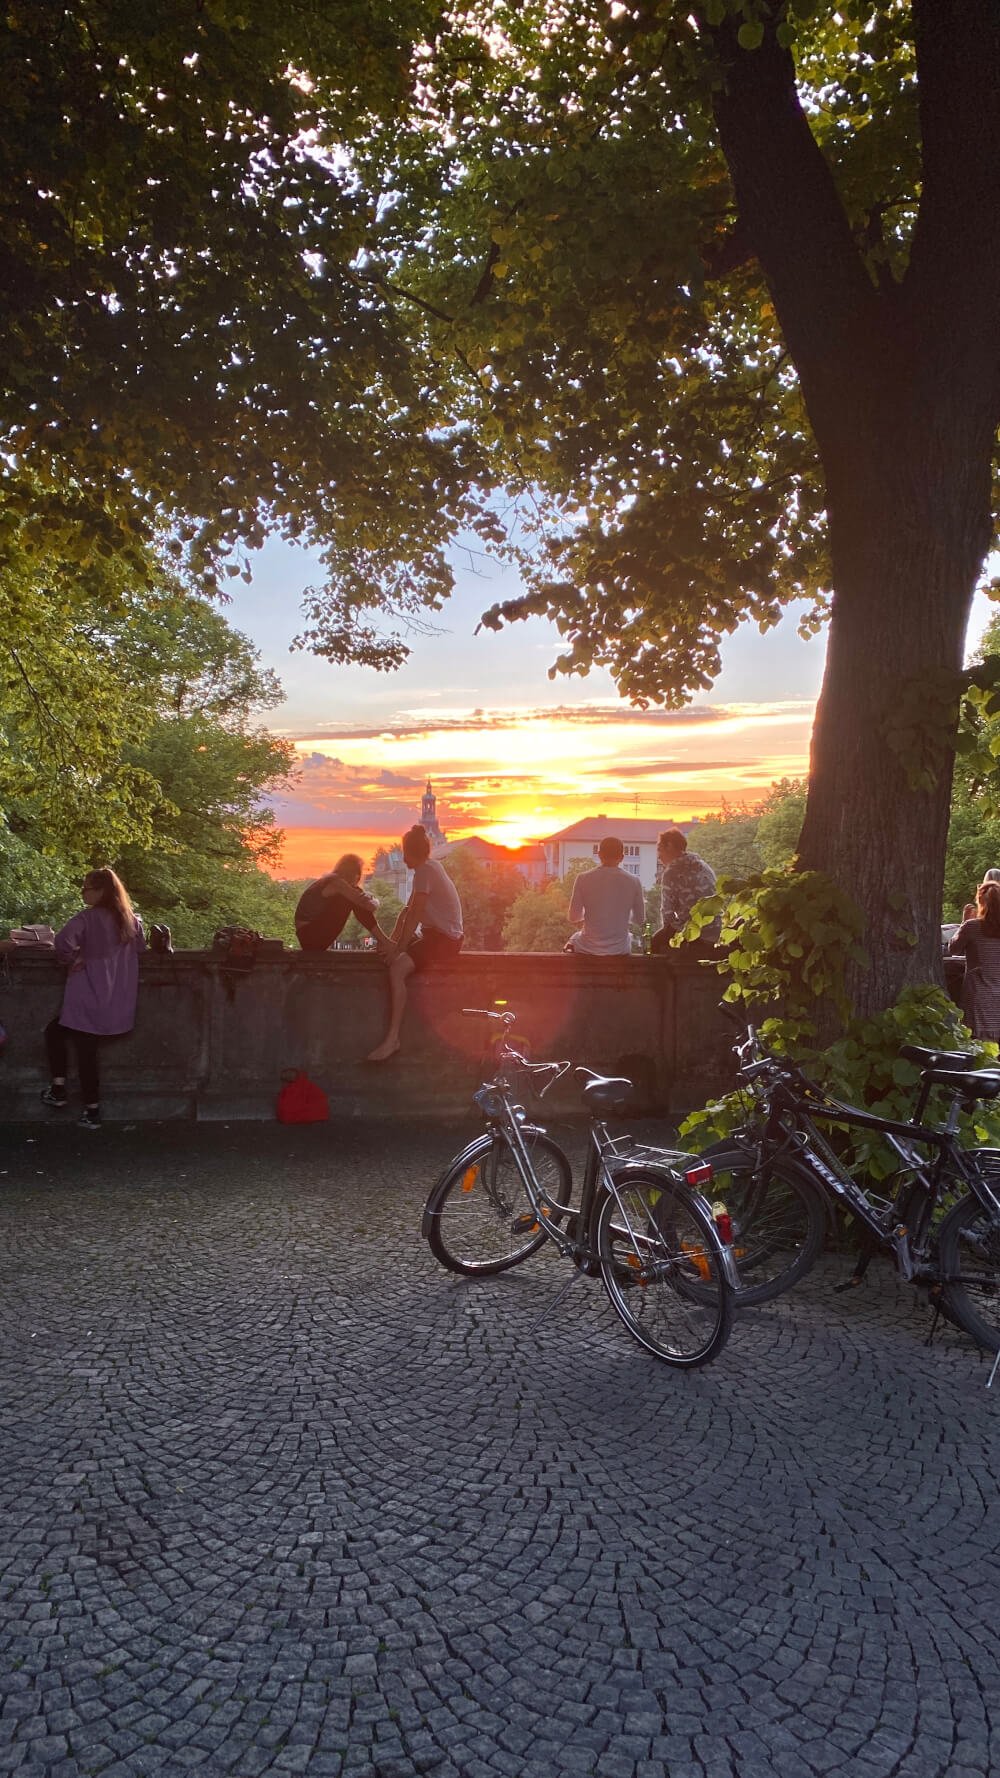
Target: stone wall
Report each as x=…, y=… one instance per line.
x=212, y=1043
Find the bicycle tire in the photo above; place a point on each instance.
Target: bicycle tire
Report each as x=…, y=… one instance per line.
x=479, y=1220
x=661, y=1264
x=778, y=1218
x=969, y=1261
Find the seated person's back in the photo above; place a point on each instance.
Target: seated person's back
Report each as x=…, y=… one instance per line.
x=604, y=900
x=325, y=907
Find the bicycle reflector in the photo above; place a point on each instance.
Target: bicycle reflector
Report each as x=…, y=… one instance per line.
x=724, y=1223
x=701, y=1174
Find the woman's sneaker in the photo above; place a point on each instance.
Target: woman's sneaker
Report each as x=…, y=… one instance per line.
x=54, y=1096
x=90, y=1120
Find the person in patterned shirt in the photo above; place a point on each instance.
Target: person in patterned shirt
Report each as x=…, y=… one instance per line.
x=684, y=879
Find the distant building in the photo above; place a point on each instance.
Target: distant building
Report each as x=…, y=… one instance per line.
x=428, y=817
x=540, y=862
x=391, y=867
x=528, y=860
x=582, y=840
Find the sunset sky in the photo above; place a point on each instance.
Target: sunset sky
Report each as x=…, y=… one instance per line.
x=511, y=754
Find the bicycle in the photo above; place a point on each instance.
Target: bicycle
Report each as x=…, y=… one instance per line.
x=641, y=1224
x=779, y=1179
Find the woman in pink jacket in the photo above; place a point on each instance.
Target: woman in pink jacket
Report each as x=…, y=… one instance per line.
x=101, y=945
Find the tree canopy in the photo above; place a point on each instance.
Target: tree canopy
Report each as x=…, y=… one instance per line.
x=718, y=286
x=691, y=308
x=129, y=733
x=194, y=353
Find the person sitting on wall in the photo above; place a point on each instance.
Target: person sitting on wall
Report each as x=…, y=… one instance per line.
x=603, y=902
x=684, y=879
x=324, y=908
x=429, y=930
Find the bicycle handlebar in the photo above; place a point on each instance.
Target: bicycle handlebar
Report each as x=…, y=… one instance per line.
x=484, y=1012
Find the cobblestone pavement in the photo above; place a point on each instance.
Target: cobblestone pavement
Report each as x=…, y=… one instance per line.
x=281, y=1496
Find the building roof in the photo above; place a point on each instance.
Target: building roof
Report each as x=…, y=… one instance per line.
x=475, y=843
x=599, y=827
x=488, y=849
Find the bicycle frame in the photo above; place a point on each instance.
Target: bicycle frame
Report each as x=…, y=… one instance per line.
x=607, y=1166
x=902, y=1223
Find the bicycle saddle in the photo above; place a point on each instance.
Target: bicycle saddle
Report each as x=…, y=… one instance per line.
x=976, y=1083
x=941, y=1059
x=604, y=1092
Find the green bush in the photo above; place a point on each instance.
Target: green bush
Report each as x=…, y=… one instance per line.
x=788, y=938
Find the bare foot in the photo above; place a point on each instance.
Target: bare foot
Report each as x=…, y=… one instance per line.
x=383, y=1053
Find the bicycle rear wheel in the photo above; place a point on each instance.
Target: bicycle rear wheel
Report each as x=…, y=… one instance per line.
x=778, y=1219
x=661, y=1263
x=969, y=1258
x=479, y=1219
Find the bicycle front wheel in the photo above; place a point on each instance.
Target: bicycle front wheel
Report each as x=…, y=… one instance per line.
x=969, y=1258
x=479, y=1218
x=662, y=1267
x=778, y=1220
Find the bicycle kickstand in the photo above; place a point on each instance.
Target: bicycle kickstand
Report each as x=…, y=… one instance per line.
x=556, y=1300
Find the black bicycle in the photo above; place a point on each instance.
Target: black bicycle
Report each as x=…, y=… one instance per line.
x=779, y=1178
x=641, y=1224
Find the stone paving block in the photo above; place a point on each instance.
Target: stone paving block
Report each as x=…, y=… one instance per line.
x=287, y=1491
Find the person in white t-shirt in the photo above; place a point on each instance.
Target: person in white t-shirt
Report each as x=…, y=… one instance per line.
x=434, y=909
x=603, y=902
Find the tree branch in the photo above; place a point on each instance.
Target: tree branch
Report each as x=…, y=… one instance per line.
x=955, y=259
x=733, y=250
x=791, y=212
x=485, y=284
x=385, y=284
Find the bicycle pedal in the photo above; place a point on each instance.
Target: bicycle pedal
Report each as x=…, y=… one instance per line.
x=524, y=1225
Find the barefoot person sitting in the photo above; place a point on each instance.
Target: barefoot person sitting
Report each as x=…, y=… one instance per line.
x=325, y=907
x=428, y=930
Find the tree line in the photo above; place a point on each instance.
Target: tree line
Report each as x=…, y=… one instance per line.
x=131, y=733
x=134, y=732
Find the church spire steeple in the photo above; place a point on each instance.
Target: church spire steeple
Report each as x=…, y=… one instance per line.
x=428, y=816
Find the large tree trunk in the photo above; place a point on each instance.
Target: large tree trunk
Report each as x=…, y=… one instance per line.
x=902, y=385
x=905, y=563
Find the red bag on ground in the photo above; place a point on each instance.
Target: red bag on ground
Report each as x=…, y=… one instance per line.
x=301, y=1101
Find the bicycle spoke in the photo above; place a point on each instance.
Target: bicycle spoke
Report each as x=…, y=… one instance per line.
x=479, y=1218
x=661, y=1270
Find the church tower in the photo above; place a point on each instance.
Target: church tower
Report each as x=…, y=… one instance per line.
x=428, y=816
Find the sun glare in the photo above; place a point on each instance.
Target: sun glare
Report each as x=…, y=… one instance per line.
x=517, y=777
